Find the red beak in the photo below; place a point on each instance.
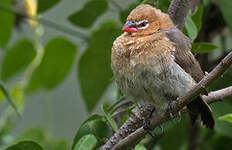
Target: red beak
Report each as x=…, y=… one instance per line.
x=129, y=27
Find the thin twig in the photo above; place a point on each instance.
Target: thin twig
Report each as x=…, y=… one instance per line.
x=44, y=21
x=218, y=95
x=8, y=98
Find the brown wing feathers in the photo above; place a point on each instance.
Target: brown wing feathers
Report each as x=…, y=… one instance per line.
x=185, y=59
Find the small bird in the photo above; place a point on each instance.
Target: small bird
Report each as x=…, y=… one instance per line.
x=152, y=63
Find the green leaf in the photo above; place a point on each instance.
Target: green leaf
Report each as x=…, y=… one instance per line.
x=94, y=125
x=56, y=64
x=197, y=17
x=227, y=117
x=226, y=6
x=42, y=137
x=203, y=47
x=171, y=141
x=140, y=147
x=34, y=134
x=2, y=96
x=190, y=27
x=87, y=142
x=8, y=97
x=94, y=69
x=109, y=117
x=220, y=109
x=43, y=5
x=17, y=58
x=25, y=145
x=127, y=114
x=7, y=23
x=163, y=5
x=87, y=15
x=217, y=142
x=17, y=93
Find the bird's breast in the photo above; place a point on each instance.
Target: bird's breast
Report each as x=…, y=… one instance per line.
x=131, y=55
x=140, y=67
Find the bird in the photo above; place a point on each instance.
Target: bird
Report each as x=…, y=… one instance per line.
x=152, y=63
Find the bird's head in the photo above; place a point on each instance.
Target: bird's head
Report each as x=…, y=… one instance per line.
x=145, y=20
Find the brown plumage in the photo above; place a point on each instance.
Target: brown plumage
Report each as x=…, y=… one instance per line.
x=152, y=63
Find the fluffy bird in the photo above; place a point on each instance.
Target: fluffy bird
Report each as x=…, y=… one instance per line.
x=152, y=63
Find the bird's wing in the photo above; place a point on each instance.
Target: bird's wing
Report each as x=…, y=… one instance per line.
x=186, y=60
x=183, y=56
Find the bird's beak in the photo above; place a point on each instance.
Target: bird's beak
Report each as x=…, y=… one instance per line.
x=129, y=27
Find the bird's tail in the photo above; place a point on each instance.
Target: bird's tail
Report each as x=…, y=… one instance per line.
x=200, y=107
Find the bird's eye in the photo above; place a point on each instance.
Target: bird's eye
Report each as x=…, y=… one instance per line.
x=142, y=24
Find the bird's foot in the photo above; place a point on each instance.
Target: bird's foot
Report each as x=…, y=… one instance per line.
x=147, y=123
x=170, y=108
x=147, y=128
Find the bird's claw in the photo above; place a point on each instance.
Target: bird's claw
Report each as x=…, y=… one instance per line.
x=170, y=108
x=147, y=128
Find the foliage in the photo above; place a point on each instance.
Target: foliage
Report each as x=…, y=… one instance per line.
x=96, y=127
x=94, y=66
x=97, y=7
x=30, y=65
x=25, y=145
x=7, y=24
x=58, y=57
x=22, y=53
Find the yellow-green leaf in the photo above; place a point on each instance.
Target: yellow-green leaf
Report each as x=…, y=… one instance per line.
x=227, y=117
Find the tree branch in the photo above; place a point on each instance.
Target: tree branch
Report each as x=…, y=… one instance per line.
x=116, y=143
x=194, y=136
x=178, y=11
x=218, y=95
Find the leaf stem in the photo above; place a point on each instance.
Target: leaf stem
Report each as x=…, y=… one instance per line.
x=38, y=58
x=8, y=98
